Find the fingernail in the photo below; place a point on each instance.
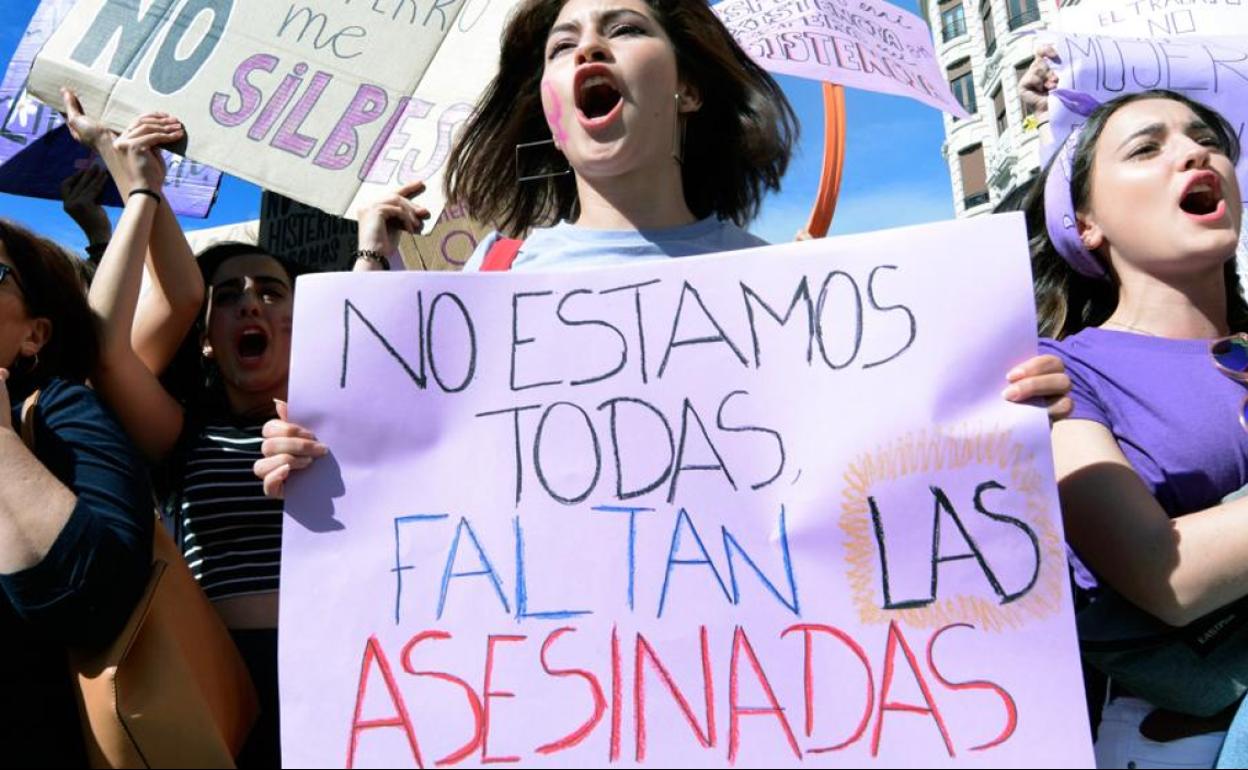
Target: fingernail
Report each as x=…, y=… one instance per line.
x=1014, y=373
x=1011, y=393
x=284, y=470
x=321, y=450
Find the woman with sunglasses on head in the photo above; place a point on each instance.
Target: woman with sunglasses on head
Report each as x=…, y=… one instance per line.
x=618, y=131
x=75, y=505
x=1134, y=230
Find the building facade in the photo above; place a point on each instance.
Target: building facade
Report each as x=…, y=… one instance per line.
x=985, y=47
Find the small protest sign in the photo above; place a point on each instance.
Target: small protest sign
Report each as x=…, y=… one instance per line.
x=868, y=44
x=448, y=246
x=1154, y=18
x=307, y=236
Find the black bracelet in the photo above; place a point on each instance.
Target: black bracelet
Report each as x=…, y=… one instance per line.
x=376, y=257
x=144, y=191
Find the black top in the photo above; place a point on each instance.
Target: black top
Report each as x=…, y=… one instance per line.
x=230, y=533
x=83, y=591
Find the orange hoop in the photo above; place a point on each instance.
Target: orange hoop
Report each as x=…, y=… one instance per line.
x=833, y=161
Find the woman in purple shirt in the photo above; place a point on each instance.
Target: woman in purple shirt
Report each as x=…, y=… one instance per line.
x=1135, y=229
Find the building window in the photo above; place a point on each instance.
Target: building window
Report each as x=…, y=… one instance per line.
x=952, y=22
x=998, y=108
x=1020, y=71
x=1022, y=12
x=990, y=31
x=974, y=176
x=963, y=84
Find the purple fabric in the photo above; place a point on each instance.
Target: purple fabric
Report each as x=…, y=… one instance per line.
x=1175, y=417
x=1059, y=203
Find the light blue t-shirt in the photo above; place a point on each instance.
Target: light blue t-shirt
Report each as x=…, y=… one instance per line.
x=568, y=247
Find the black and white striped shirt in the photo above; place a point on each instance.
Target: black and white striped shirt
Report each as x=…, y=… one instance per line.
x=231, y=534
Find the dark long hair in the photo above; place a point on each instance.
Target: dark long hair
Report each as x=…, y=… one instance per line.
x=52, y=290
x=190, y=378
x=1067, y=301
x=737, y=146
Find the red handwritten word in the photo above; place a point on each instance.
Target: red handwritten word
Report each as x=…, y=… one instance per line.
x=879, y=700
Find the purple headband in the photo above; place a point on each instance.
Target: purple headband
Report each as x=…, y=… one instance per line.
x=1059, y=204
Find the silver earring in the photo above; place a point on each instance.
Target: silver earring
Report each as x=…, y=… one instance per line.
x=525, y=148
x=678, y=136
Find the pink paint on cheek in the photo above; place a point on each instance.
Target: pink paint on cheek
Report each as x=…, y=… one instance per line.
x=554, y=114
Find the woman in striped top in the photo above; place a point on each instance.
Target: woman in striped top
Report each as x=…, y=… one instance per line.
x=205, y=439
x=222, y=329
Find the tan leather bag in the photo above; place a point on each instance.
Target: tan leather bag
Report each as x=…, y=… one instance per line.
x=171, y=690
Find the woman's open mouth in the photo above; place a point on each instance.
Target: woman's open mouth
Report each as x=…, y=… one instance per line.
x=252, y=343
x=1202, y=199
x=598, y=100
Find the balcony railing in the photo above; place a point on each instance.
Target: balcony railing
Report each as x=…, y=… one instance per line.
x=1027, y=16
x=953, y=30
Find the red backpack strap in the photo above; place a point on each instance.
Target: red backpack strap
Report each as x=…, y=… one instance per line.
x=501, y=255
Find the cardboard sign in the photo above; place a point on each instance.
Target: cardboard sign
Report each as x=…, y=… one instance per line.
x=327, y=102
x=37, y=152
x=868, y=44
x=765, y=508
x=307, y=236
x=448, y=246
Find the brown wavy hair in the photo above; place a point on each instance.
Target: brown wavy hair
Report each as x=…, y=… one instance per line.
x=737, y=146
x=52, y=289
x=1067, y=301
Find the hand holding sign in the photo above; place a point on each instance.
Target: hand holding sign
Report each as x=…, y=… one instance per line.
x=286, y=447
x=87, y=131
x=137, y=148
x=1038, y=81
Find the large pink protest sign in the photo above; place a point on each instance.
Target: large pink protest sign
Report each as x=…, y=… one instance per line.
x=1211, y=70
x=869, y=44
x=37, y=152
x=760, y=509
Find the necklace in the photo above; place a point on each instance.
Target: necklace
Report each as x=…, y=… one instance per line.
x=1129, y=327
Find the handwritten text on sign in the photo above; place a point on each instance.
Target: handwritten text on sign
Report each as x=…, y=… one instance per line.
x=1213, y=71
x=868, y=44
x=327, y=102
x=1154, y=18
x=760, y=508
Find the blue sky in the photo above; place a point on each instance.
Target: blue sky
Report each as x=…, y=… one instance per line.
x=893, y=176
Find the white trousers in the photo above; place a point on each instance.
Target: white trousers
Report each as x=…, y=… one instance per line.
x=1120, y=745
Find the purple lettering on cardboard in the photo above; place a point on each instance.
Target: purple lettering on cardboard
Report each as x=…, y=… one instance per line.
x=277, y=103
x=249, y=95
x=340, y=148
x=288, y=137
x=379, y=167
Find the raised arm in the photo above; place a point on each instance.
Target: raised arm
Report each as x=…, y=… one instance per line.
x=168, y=309
x=151, y=417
